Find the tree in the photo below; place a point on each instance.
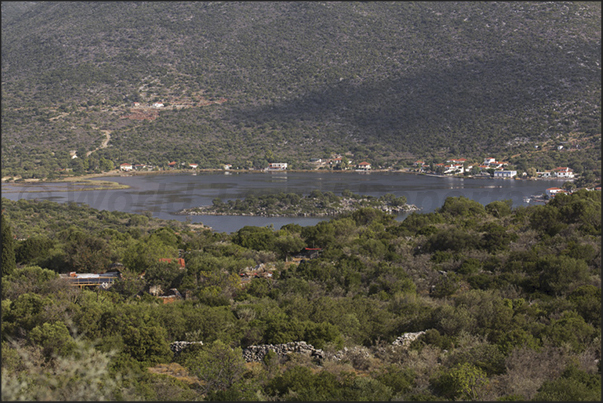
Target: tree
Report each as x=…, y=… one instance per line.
x=163, y=274
x=217, y=365
x=34, y=250
x=573, y=385
x=147, y=252
x=146, y=342
x=83, y=375
x=87, y=253
x=558, y=273
x=500, y=208
x=287, y=243
x=461, y=206
x=106, y=165
x=27, y=279
x=54, y=338
x=8, y=247
x=569, y=186
x=461, y=382
x=257, y=238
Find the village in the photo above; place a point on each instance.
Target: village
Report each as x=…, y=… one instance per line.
x=490, y=167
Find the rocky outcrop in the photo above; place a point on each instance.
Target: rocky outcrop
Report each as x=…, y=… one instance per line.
x=257, y=353
x=178, y=346
x=407, y=338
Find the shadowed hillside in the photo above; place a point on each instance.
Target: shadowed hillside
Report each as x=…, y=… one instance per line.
x=246, y=82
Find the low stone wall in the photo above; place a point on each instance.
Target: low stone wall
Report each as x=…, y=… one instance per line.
x=407, y=338
x=178, y=346
x=257, y=353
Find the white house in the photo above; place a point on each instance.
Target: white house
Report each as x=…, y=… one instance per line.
x=277, y=166
x=364, y=166
x=451, y=168
x=157, y=105
x=564, y=172
x=551, y=192
x=505, y=174
x=125, y=167
x=194, y=166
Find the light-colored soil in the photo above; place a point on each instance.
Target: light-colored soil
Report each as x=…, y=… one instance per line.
x=105, y=142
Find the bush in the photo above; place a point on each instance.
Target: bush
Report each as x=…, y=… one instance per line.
x=54, y=338
x=463, y=381
x=573, y=385
x=461, y=207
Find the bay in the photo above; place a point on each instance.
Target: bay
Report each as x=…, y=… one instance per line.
x=163, y=195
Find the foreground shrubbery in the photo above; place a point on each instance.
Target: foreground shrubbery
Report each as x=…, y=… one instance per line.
x=509, y=299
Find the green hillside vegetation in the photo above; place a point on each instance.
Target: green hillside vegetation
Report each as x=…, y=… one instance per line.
x=509, y=300
x=249, y=83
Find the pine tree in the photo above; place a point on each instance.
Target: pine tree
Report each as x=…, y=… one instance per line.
x=8, y=247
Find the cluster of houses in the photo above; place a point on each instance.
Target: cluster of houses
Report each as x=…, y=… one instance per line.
x=460, y=166
x=139, y=167
x=273, y=166
x=337, y=161
x=453, y=166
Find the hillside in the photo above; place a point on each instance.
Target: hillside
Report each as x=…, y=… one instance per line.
x=467, y=303
x=250, y=82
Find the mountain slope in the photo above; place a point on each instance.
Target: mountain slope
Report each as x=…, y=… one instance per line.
x=247, y=80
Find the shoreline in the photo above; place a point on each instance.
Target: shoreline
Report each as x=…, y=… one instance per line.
x=88, y=179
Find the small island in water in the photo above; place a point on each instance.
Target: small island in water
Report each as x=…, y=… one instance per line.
x=316, y=204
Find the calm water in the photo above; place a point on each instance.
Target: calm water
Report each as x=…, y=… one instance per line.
x=164, y=195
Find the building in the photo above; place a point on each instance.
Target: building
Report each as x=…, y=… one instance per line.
x=563, y=172
x=158, y=105
x=125, y=167
x=277, y=166
x=551, y=192
x=364, y=166
x=505, y=174
x=180, y=261
x=193, y=166
x=450, y=168
x=492, y=163
x=103, y=280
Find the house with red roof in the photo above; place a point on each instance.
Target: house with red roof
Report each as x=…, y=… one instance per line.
x=551, y=192
x=563, y=172
x=364, y=166
x=180, y=261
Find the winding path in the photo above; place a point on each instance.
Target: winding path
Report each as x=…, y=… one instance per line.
x=104, y=144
